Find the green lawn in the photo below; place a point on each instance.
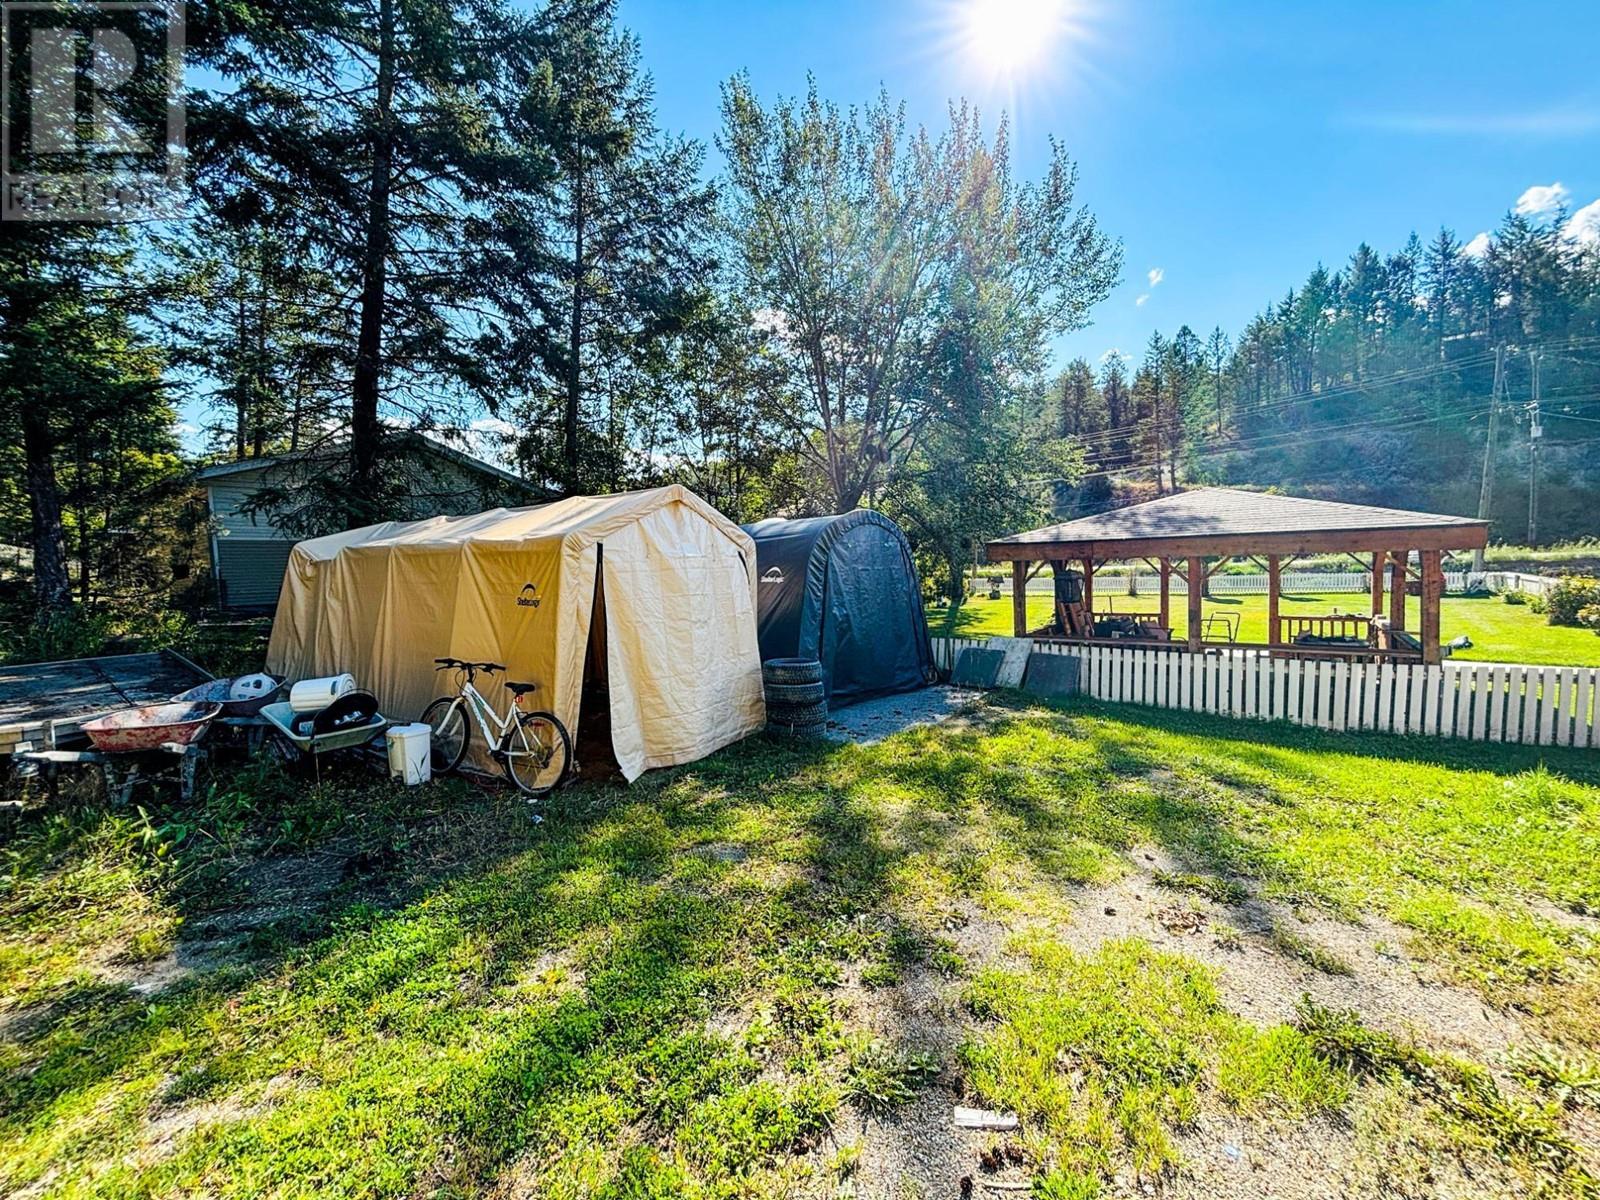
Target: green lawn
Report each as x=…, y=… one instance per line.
x=718, y=981
x=1500, y=632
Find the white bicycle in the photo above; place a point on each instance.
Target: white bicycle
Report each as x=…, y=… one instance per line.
x=532, y=748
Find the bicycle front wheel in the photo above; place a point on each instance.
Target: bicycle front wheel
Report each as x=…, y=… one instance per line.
x=447, y=717
x=536, y=753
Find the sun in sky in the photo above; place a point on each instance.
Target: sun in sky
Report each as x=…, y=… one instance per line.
x=1022, y=54
x=1011, y=40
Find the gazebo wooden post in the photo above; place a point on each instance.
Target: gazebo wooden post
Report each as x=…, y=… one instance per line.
x=1166, y=592
x=1378, y=557
x=1088, y=592
x=1274, y=585
x=1397, y=591
x=1019, y=598
x=1196, y=584
x=1432, y=594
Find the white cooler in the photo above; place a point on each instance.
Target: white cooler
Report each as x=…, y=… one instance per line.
x=410, y=758
x=310, y=695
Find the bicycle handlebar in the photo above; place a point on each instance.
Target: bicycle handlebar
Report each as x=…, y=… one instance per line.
x=447, y=663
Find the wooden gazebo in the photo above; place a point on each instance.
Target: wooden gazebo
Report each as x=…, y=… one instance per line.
x=1177, y=534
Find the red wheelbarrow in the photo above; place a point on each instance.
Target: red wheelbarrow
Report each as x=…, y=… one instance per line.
x=152, y=727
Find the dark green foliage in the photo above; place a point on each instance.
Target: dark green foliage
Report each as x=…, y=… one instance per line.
x=607, y=262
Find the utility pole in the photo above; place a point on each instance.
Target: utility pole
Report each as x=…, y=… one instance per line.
x=1535, y=440
x=1486, y=488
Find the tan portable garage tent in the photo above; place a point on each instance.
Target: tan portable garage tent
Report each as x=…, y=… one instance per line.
x=674, y=579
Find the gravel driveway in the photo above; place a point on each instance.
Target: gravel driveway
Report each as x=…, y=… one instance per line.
x=873, y=720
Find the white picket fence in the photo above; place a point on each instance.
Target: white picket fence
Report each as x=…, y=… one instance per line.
x=1480, y=701
x=1517, y=581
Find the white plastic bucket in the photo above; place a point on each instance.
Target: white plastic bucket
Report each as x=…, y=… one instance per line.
x=313, y=695
x=410, y=760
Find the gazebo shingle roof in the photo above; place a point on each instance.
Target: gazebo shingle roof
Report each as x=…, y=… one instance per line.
x=1229, y=521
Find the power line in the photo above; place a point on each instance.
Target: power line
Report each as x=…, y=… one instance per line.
x=1401, y=422
x=1535, y=437
x=1486, y=485
x=1098, y=437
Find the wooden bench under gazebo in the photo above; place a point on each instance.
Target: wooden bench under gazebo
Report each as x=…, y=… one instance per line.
x=1178, y=534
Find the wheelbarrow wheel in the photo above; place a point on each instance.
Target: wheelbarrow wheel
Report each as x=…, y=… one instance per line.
x=447, y=717
x=535, y=753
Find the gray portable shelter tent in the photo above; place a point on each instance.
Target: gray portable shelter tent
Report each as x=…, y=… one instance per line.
x=843, y=590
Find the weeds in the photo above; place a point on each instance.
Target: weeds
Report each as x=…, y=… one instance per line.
x=1524, y=1134
x=1222, y=891
x=1571, y=1079
x=1109, y=1053
x=453, y=991
x=1318, y=958
x=880, y=1079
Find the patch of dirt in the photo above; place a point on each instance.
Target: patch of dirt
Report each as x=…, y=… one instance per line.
x=873, y=720
x=914, y=1149
x=1584, y=923
x=168, y=1123
x=1248, y=944
x=1376, y=1152
x=1382, y=1146
x=553, y=974
x=276, y=889
x=154, y=976
x=17, y=1023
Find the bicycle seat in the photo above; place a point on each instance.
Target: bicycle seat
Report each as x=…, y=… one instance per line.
x=521, y=689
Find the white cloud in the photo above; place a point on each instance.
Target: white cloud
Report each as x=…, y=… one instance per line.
x=1542, y=198
x=493, y=425
x=1584, y=225
x=1110, y=354
x=1139, y=303
x=1477, y=247
x=1155, y=275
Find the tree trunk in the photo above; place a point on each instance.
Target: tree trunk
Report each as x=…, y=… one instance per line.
x=52, y=588
x=241, y=393
x=956, y=584
x=365, y=432
x=569, y=423
x=258, y=373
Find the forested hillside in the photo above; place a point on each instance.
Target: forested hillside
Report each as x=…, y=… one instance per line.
x=1375, y=382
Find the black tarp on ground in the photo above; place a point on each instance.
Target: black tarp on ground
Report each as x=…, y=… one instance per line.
x=843, y=590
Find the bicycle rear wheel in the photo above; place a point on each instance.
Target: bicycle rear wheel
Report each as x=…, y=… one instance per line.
x=447, y=717
x=536, y=753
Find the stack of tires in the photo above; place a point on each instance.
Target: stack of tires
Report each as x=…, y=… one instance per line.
x=797, y=702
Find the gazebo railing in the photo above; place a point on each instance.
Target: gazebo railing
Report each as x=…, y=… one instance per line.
x=1333, y=625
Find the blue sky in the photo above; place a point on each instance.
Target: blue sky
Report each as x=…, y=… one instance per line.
x=1230, y=146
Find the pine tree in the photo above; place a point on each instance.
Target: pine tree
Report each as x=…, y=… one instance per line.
x=610, y=258
x=1218, y=350
x=373, y=133
x=79, y=380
